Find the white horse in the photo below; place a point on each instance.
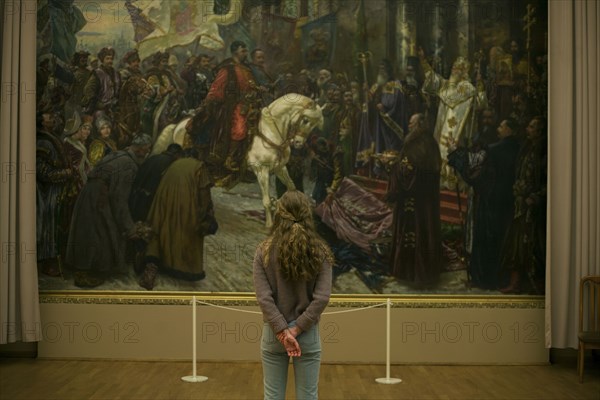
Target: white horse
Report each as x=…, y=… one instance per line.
x=290, y=118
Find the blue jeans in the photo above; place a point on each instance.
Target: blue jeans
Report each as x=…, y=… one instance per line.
x=275, y=363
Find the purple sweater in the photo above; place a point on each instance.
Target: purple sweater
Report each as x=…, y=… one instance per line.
x=283, y=301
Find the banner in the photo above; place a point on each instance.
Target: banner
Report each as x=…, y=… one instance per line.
x=277, y=37
x=318, y=42
x=181, y=22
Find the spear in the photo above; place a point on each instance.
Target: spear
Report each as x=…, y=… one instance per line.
x=529, y=20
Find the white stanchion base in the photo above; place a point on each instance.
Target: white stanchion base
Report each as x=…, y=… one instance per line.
x=196, y=378
x=388, y=381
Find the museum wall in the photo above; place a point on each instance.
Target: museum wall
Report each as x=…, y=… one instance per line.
x=449, y=333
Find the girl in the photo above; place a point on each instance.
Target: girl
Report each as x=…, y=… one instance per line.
x=292, y=280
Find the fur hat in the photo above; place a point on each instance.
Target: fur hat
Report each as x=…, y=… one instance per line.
x=131, y=56
x=106, y=51
x=72, y=125
x=159, y=56
x=101, y=121
x=78, y=56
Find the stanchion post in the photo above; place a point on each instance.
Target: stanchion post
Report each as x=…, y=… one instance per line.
x=387, y=379
x=194, y=377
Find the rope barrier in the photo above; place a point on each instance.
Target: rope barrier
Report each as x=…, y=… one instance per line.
x=195, y=302
x=258, y=312
x=227, y=308
x=356, y=309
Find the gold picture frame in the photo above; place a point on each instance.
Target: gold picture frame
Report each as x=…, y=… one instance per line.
x=401, y=53
x=249, y=299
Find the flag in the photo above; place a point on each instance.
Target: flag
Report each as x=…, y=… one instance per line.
x=365, y=147
x=362, y=38
x=318, y=41
x=181, y=22
x=278, y=38
x=57, y=36
x=361, y=46
x=142, y=26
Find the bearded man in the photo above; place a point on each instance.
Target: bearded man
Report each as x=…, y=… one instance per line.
x=133, y=89
x=198, y=77
x=101, y=92
x=412, y=90
x=331, y=113
x=348, y=135
x=323, y=80
x=459, y=100
x=166, y=106
x=390, y=103
x=235, y=101
x=490, y=171
x=81, y=74
x=524, y=250
x=486, y=134
x=263, y=80
x=414, y=189
x=53, y=176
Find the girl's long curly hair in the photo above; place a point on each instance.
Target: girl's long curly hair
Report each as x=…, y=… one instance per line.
x=299, y=248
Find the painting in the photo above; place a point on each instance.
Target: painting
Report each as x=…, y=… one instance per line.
x=167, y=130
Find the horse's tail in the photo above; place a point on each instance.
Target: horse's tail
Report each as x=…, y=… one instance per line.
x=164, y=139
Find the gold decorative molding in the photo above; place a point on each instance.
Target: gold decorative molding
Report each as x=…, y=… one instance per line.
x=249, y=300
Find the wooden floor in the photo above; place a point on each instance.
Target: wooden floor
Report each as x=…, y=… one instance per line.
x=78, y=380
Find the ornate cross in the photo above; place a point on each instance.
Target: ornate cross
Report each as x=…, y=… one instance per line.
x=529, y=21
x=364, y=58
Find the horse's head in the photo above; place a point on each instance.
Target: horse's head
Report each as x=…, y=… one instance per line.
x=309, y=117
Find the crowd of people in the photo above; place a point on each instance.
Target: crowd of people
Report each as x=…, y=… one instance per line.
x=480, y=131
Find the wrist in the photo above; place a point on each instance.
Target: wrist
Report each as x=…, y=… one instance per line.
x=281, y=335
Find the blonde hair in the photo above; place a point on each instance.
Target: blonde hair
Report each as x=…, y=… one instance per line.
x=299, y=248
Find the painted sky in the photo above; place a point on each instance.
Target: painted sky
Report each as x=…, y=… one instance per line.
x=107, y=21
